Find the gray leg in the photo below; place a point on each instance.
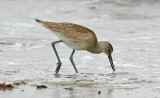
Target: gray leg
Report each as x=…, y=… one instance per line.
x=71, y=59
x=59, y=61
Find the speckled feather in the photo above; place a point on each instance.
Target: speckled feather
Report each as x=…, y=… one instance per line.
x=79, y=37
x=73, y=32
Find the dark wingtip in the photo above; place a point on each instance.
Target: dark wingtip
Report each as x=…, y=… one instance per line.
x=37, y=20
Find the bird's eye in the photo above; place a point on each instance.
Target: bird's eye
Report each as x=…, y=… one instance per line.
x=109, y=51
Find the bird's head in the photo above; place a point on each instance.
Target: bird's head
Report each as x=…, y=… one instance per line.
x=108, y=49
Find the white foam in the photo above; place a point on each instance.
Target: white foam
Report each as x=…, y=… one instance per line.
x=18, y=44
x=12, y=63
x=36, y=46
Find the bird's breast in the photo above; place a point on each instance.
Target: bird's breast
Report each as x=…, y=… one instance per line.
x=76, y=45
x=72, y=43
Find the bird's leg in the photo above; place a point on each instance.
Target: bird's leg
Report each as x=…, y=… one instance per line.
x=71, y=59
x=59, y=61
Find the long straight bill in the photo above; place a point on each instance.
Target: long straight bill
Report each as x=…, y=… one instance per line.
x=111, y=61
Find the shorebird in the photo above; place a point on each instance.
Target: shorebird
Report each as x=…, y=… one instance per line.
x=77, y=37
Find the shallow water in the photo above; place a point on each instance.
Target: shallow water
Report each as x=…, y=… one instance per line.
x=131, y=26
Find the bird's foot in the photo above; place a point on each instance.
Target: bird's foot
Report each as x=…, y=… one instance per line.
x=57, y=75
x=58, y=67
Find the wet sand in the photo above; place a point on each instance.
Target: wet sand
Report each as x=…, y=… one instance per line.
x=26, y=53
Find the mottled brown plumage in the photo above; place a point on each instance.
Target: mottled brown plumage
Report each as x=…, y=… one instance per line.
x=78, y=37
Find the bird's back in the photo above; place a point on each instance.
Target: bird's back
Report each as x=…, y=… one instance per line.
x=72, y=33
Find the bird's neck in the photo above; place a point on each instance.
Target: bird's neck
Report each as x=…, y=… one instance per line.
x=96, y=49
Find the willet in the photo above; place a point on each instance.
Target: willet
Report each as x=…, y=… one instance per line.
x=77, y=37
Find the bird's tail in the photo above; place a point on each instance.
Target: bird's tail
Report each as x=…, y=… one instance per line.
x=40, y=21
x=46, y=24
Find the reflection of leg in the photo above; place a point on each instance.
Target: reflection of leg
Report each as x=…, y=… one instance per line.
x=59, y=61
x=71, y=59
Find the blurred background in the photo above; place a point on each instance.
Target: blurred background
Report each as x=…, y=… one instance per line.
x=132, y=26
